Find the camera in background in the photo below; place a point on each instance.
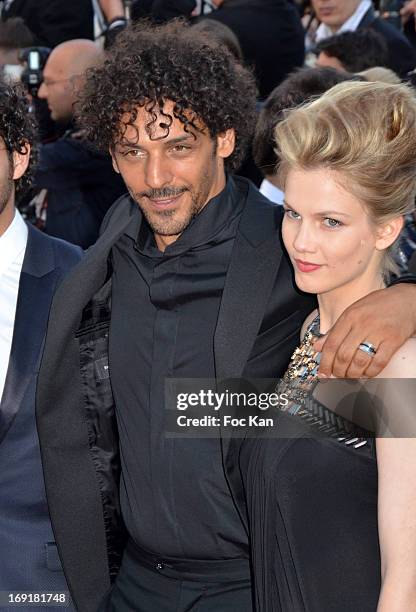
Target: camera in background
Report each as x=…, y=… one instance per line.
x=33, y=60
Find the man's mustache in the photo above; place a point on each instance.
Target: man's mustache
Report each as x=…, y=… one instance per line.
x=162, y=194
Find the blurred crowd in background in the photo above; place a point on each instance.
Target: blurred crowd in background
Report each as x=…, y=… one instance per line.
x=296, y=48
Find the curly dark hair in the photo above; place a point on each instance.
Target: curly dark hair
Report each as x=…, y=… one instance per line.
x=17, y=129
x=149, y=65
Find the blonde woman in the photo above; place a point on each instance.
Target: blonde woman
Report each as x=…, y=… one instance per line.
x=333, y=517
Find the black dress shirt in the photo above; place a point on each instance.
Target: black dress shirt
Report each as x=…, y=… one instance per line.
x=174, y=496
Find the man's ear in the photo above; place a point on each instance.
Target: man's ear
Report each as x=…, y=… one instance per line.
x=20, y=162
x=388, y=233
x=226, y=143
x=114, y=161
x=74, y=84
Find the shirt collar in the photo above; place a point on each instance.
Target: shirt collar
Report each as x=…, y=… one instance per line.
x=270, y=191
x=348, y=26
x=13, y=243
x=204, y=228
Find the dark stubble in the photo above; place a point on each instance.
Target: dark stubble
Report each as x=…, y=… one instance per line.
x=163, y=222
x=6, y=187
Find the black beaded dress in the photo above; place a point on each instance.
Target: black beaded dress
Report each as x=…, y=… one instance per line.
x=312, y=504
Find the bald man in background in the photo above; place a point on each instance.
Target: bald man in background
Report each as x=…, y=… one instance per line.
x=74, y=185
x=63, y=76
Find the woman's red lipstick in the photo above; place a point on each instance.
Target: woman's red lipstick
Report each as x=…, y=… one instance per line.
x=306, y=266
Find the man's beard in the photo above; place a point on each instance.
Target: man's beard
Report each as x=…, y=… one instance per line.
x=6, y=189
x=163, y=222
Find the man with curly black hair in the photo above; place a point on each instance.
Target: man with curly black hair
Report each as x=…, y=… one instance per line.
x=31, y=266
x=188, y=280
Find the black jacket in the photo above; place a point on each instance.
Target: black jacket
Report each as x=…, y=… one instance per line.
x=54, y=21
x=75, y=407
x=270, y=34
x=162, y=10
x=402, y=56
x=81, y=185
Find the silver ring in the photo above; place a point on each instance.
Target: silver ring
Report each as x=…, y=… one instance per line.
x=368, y=348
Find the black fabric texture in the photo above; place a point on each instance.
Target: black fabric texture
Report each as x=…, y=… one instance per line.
x=54, y=21
x=279, y=48
x=189, y=513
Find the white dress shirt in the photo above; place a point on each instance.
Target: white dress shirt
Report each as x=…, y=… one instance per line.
x=12, y=251
x=270, y=191
x=348, y=26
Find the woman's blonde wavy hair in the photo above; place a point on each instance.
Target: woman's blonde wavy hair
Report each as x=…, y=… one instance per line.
x=366, y=132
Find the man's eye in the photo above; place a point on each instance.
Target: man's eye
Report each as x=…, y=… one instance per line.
x=181, y=148
x=132, y=153
x=332, y=223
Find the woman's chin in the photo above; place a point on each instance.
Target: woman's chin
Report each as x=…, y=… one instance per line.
x=308, y=284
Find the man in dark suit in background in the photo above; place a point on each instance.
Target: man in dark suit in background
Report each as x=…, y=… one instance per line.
x=31, y=267
x=270, y=34
x=338, y=16
x=52, y=21
x=187, y=280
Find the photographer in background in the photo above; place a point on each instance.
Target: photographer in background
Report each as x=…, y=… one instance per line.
x=75, y=185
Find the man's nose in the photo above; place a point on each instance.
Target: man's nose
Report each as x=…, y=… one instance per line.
x=158, y=172
x=42, y=92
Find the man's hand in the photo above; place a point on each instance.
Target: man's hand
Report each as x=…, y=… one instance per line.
x=408, y=11
x=386, y=318
x=112, y=9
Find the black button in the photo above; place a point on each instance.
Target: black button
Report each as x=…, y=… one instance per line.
x=159, y=566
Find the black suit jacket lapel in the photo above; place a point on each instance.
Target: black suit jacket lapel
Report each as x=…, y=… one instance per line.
x=74, y=497
x=253, y=268
x=36, y=287
x=368, y=18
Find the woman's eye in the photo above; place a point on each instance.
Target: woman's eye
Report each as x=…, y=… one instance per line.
x=328, y=222
x=291, y=214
